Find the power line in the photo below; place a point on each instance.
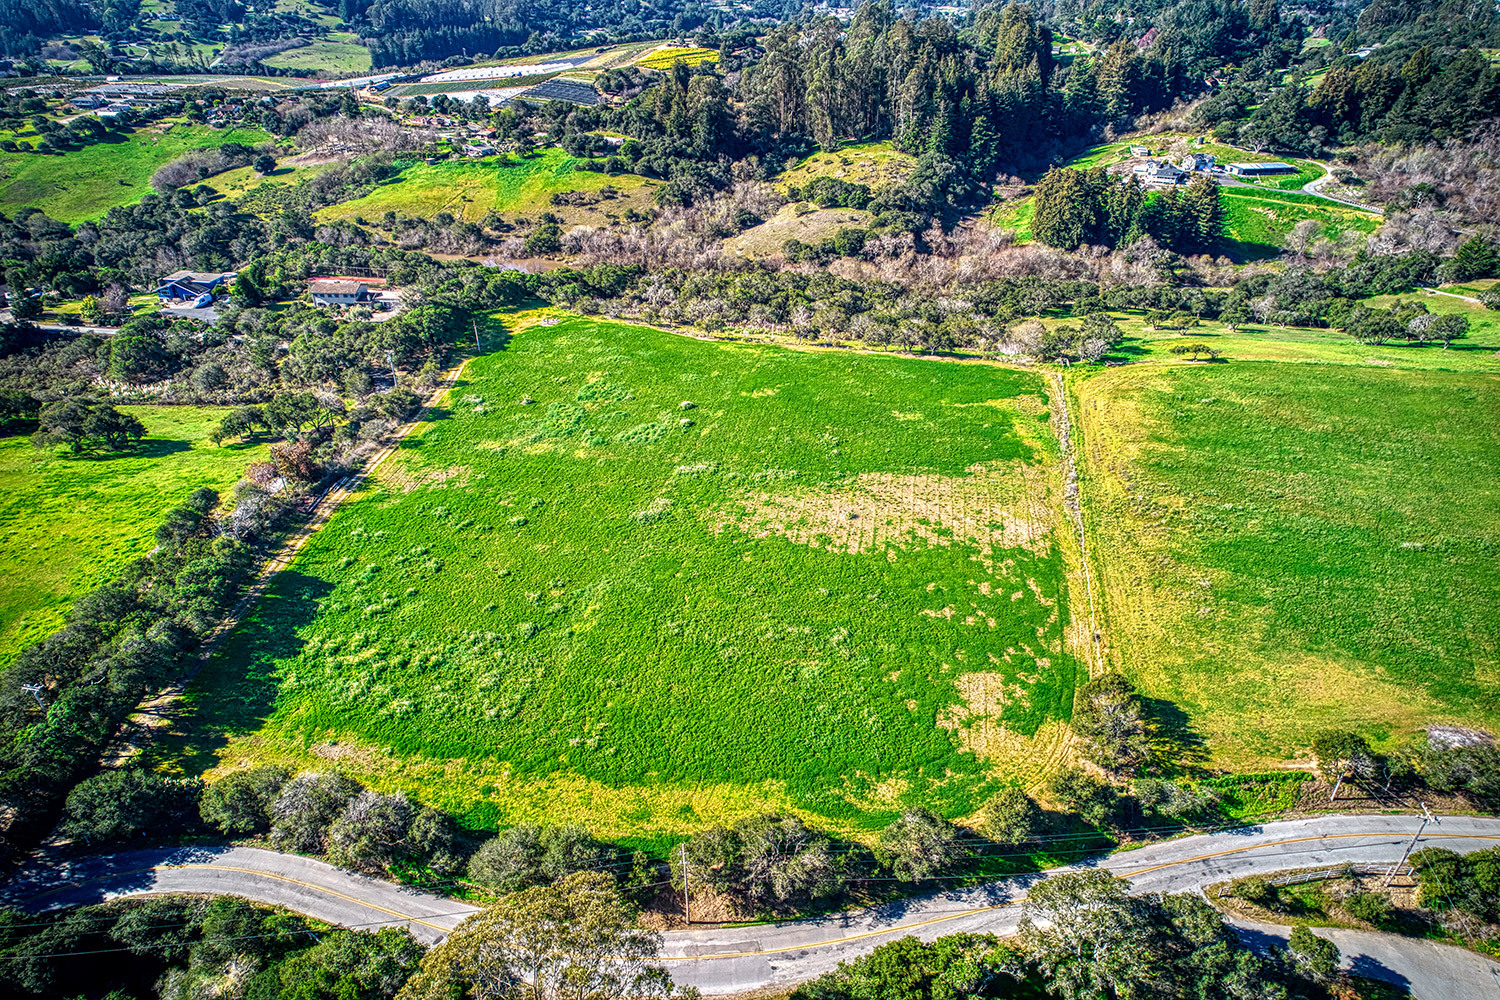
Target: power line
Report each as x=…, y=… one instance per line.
x=250, y=937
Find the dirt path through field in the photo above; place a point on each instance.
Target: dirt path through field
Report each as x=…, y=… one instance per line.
x=156, y=711
x=1062, y=427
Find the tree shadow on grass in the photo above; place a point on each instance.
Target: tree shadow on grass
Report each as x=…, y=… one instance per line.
x=148, y=448
x=1176, y=747
x=235, y=692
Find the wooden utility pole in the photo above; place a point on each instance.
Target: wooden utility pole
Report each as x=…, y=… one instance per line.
x=1427, y=817
x=687, y=901
x=476, y=334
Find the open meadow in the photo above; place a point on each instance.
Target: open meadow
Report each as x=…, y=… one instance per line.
x=69, y=524
x=1287, y=547
x=470, y=188
x=646, y=582
x=877, y=165
x=101, y=176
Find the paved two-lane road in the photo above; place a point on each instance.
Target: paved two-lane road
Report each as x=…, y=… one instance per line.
x=733, y=960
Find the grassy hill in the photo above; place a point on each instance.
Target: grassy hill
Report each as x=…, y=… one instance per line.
x=470, y=188
x=68, y=524
x=86, y=183
x=875, y=164
x=647, y=583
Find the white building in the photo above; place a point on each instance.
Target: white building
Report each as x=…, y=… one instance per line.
x=337, y=292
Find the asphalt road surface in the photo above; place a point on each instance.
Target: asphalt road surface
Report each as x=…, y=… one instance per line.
x=733, y=960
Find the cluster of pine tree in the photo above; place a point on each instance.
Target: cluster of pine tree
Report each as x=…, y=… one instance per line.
x=1075, y=207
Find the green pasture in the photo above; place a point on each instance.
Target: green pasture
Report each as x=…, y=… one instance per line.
x=471, y=188
x=1287, y=547
x=340, y=53
x=1016, y=215
x=645, y=582
x=1480, y=352
x=69, y=524
x=1257, y=220
x=241, y=181
x=877, y=165
x=86, y=183
x=1109, y=152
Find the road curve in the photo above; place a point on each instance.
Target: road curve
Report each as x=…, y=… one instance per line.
x=1426, y=969
x=733, y=960
x=310, y=887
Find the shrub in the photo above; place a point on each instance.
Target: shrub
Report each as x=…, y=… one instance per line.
x=530, y=855
x=239, y=804
x=1473, y=769
x=545, y=239
x=1258, y=891
x=371, y=833
x=1174, y=800
x=1079, y=792
x=130, y=802
x=918, y=845
x=1314, y=956
x=1112, y=719
x=306, y=806
x=434, y=837
x=1010, y=817
x=1370, y=907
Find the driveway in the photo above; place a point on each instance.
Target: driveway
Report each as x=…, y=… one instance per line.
x=1426, y=969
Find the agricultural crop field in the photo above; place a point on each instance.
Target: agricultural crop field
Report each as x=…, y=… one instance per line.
x=469, y=188
x=665, y=58
x=1284, y=547
x=102, y=176
x=69, y=524
x=645, y=582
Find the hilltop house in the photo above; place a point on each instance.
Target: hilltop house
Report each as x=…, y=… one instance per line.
x=1198, y=162
x=197, y=287
x=338, y=291
x=1159, y=172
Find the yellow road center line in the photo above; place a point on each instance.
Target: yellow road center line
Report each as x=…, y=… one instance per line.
x=1022, y=897
x=863, y=935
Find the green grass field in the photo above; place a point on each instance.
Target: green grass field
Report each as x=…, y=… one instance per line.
x=239, y=182
x=1016, y=215
x=70, y=524
x=875, y=164
x=340, y=53
x=470, y=188
x=86, y=183
x=1110, y=152
x=647, y=582
x=1284, y=547
x=1257, y=220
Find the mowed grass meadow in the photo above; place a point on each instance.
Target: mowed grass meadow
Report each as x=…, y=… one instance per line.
x=70, y=523
x=1288, y=547
x=646, y=582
